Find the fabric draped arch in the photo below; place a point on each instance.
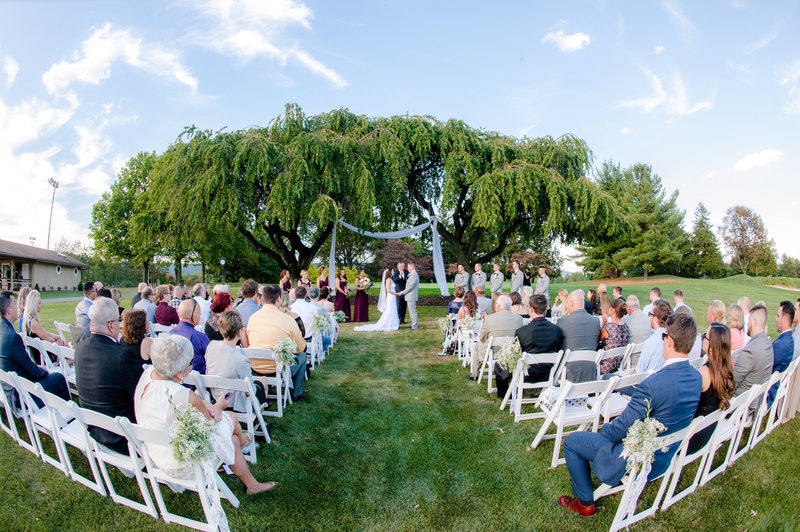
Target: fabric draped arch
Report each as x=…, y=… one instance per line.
x=438, y=262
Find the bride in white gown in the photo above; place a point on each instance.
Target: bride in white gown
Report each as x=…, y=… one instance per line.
x=387, y=306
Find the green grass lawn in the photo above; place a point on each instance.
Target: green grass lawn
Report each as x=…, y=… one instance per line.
x=394, y=438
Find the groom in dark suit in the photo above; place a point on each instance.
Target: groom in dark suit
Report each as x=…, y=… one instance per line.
x=669, y=395
x=400, y=276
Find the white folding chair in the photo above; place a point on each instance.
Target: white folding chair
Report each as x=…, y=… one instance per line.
x=577, y=355
x=62, y=329
x=41, y=423
x=159, y=329
x=35, y=344
x=214, y=386
x=281, y=381
x=140, y=437
x=778, y=403
x=697, y=363
x=608, y=354
x=740, y=445
x=8, y=382
x=759, y=431
x=613, y=402
x=131, y=464
x=71, y=432
x=633, y=358
x=517, y=386
x=729, y=429
x=684, y=458
x=563, y=415
x=487, y=365
x=623, y=518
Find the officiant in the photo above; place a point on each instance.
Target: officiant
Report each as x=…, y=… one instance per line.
x=400, y=276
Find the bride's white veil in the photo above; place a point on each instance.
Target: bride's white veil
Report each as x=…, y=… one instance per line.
x=382, y=297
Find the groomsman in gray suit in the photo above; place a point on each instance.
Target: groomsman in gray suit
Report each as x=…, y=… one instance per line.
x=478, y=278
x=461, y=278
x=411, y=293
x=542, y=284
x=496, y=282
x=517, y=278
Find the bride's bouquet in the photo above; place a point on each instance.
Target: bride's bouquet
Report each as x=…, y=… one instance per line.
x=364, y=284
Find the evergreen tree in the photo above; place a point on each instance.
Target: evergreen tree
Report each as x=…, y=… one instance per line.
x=704, y=257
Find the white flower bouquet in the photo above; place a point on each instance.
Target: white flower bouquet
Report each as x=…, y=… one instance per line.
x=640, y=444
x=191, y=435
x=285, y=350
x=444, y=323
x=466, y=323
x=320, y=323
x=508, y=355
x=339, y=316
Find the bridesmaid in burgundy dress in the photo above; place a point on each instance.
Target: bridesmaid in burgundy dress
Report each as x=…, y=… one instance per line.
x=342, y=301
x=322, y=280
x=303, y=281
x=361, y=306
x=285, y=283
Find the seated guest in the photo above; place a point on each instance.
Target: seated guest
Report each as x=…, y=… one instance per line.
x=106, y=372
x=177, y=296
x=796, y=330
x=655, y=293
x=614, y=334
x=605, y=306
x=13, y=356
x=581, y=332
x=517, y=307
x=744, y=302
x=116, y=295
x=469, y=308
x=783, y=346
x=637, y=321
x=189, y=313
x=82, y=309
x=134, y=335
x=458, y=300
x=220, y=304
x=165, y=313
x=560, y=306
x=527, y=292
x=313, y=296
x=248, y=305
x=718, y=383
x=697, y=348
x=138, y=297
x=736, y=324
x=677, y=295
x=754, y=363
x=716, y=311
x=22, y=297
x=652, y=357
x=617, y=292
x=224, y=359
x=286, y=308
x=33, y=328
x=269, y=325
x=325, y=298
x=502, y=322
x=484, y=303
x=146, y=304
x=201, y=296
x=160, y=390
x=590, y=303
x=538, y=336
x=670, y=396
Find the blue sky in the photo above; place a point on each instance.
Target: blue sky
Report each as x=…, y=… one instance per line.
x=708, y=93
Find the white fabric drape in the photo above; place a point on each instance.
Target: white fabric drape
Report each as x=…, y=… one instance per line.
x=382, y=296
x=438, y=261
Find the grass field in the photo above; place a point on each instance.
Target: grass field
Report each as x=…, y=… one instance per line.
x=395, y=438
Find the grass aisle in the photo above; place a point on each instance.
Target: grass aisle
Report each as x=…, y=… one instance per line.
x=395, y=438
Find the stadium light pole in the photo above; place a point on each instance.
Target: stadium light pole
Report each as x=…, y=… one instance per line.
x=54, y=184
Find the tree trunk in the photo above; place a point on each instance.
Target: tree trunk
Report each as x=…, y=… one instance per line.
x=203, y=269
x=178, y=271
x=645, y=273
x=146, y=274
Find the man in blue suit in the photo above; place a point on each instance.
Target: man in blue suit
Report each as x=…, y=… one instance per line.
x=13, y=356
x=671, y=395
x=783, y=346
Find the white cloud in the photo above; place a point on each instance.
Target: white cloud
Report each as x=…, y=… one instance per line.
x=104, y=47
x=756, y=46
x=624, y=131
x=757, y=160
x=792, y=106
x=791, y=73
x=11, y=68
x=671, y=100
x=740, y=68
x=658, y=49
x=247, y=29
x=710, y=175
x=685, y=27
x=525, y=130
x=567, y=43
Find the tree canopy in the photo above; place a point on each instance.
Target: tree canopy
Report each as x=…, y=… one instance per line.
x=745, y=236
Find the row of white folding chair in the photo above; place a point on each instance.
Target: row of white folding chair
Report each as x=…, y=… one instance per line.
x=768, y=417
x=635, y=352
x=62, y=329
x=487, y=364
x=281, y=381
x=210, y=386
x=10, y=397
x=68, y=424
x=517, y=386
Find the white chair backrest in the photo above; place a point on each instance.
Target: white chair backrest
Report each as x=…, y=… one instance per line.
x=497, y=341
x=158, y=328
x=62, y=329
x=91, y=418
x=267, y=354
x=55, y=350
x=576, y=356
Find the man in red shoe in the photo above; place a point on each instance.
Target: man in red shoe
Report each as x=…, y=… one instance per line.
x=670, y=396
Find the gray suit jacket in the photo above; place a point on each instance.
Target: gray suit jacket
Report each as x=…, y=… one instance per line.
x=639, y=326
x=581, y=332
x=503, y=323
x=496, y=283
x=754, y=363
x=542, y=286
x=411, y=293
x=461, y=279
x=516, y=281
x=82, y=313
x=478, y=279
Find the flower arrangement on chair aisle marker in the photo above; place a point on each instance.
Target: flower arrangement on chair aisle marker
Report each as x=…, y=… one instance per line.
x=190, y=435
x=640, y=446
x=508, y=355
x=285, y=350
x=339, y=316
x=466, y=323
x=444, y=323
x=320, y=323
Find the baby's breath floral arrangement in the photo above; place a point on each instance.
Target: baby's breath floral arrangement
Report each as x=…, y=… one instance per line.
x=285, y=350
x=444, y=323
x=339, y=316
x=466, y=323
x=320, y=323
x=508, y=355
x=640, y=444
x=191, y=435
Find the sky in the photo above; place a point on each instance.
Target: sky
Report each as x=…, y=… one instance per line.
x=707, y=93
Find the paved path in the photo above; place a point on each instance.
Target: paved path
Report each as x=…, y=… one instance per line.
x=76, y=298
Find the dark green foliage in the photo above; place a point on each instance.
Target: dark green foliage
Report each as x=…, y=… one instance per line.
x=790, y=266
x=745, y=236
x=703, y=258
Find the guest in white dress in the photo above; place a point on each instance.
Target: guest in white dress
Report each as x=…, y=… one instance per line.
x=172, y=362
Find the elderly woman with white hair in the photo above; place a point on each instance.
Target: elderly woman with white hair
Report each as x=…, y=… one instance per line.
x=161, y=385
